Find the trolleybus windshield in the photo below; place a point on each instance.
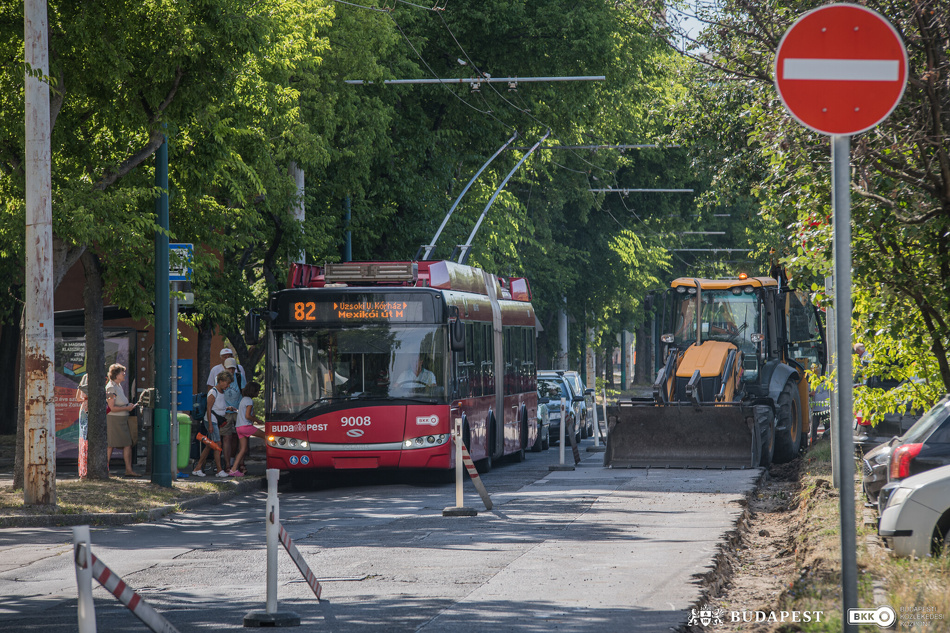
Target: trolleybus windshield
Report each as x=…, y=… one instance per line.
x=316, y=368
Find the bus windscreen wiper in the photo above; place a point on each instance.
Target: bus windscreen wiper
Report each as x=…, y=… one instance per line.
x=313, y=405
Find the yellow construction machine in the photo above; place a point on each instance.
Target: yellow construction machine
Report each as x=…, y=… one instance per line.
x=732, y=392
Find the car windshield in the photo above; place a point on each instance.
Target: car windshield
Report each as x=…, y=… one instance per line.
x=315, y=368
x=927, y=423
x=552, y=389
x=730, y=315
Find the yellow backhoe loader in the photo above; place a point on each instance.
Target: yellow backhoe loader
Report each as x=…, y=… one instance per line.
x=732, y=392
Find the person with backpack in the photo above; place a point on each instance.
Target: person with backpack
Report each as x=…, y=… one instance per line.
x=217, y=408
x=232, y=398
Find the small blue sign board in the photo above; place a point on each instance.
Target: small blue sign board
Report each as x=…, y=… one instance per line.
x=179, y=261
x=185, y=384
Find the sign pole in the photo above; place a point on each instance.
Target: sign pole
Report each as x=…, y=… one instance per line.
x=841, y=194
x=161, y=447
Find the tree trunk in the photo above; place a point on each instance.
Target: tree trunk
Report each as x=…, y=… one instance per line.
x=9, y=348
x=95, y=367
x=609, y=362
x=643, y=368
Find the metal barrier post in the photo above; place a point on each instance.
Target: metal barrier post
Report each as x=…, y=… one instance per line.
x=85, y=608
x=459, y=509
x=560, y=444
x=596, y=448
x=606, y=424
x=271, y=616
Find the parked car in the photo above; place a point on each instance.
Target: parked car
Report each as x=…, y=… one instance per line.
x=875, y=463
x=551, y=389
x=925, y=446
x=586, y=406
x=893, y=425
x=543, y=441
x=916, y=521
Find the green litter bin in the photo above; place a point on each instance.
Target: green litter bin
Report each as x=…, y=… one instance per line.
x=184, y=440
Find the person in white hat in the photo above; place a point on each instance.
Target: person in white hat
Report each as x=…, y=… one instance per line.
x=226, y=353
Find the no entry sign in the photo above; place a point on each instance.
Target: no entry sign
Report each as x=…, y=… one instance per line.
x=841, y=69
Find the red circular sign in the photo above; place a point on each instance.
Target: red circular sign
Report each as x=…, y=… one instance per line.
x=841, y=69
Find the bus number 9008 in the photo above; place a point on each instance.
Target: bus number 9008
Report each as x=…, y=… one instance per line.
x=304, y=311
x=355, y=421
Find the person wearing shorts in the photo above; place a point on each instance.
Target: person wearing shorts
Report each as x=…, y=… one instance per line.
x=217, y=407
x=245, y=425
x=232, y=398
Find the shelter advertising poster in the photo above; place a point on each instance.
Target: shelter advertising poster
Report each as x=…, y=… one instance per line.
x=70, y=367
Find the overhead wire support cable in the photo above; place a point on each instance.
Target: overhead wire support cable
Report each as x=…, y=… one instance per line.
x=625, y=191
x=463, y=256
x=428, y=248
x=478, y=80
x=596, y=147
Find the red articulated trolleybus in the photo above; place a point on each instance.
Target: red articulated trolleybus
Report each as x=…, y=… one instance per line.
x=369, y=364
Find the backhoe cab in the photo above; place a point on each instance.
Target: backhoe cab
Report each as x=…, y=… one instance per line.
x=732, y=391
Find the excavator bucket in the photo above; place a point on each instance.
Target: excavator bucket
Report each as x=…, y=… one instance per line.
x=687, y=435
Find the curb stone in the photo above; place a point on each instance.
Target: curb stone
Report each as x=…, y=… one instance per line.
x=251, y=484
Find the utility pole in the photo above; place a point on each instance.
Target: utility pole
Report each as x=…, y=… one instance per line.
x=39, y=433
x=161, y=422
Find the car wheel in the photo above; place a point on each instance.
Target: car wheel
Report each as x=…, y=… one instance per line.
x=519, y=454
x=584, y=434
x=484, y=465
x=546, y=439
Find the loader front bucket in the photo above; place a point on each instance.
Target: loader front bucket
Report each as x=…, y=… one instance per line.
x=721, y=435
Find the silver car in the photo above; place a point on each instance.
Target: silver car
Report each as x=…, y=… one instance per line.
x=916, y=520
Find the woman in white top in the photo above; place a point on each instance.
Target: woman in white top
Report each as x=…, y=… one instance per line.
x=121, y=432
x=217, y=408
x=245, y=425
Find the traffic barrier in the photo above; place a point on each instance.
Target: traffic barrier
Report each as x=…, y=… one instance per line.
x=301, y=564
x=459, y=509
x=275, y=533
x=201, y=437
x=572, y=433
x=88, y=566
x=473, y=473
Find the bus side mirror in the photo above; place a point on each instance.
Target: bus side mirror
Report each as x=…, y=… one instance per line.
x=456, y=332
x=252, y=328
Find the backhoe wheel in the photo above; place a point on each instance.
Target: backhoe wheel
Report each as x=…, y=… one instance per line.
x=788, y=442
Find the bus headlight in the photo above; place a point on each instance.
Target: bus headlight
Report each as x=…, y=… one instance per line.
x=429, y=441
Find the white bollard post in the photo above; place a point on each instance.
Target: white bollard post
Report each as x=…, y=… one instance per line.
x=270, y=616
x=596, y=426
x=273, y=522
x=561, y=440
x=458, y=463
x=459, y=509
x=85, y=607
x=560, y=444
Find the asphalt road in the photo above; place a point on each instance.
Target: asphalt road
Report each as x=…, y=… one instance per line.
x=588, y=550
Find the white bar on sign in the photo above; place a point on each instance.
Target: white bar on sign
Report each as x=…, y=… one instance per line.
x=841, y=69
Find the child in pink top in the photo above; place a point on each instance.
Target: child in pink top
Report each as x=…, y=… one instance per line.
x=245, y=425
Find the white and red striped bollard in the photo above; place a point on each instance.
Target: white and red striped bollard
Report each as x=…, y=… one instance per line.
x=86, y=561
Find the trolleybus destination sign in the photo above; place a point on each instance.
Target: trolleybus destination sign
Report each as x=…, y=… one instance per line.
x=841, y=69
x=378, y=308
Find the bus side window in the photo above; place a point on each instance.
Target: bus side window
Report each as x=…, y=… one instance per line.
x=478, y=358
x=488, y=367
x=464, y=361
